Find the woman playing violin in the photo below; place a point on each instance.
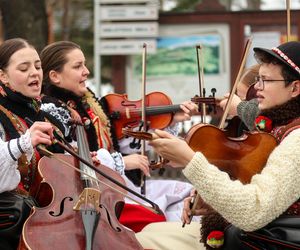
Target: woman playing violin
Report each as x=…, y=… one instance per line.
x=273, y=192
x=20, y=87
x=65, y=74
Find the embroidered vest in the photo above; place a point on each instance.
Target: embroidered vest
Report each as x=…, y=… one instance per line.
x=27, y=168
x=280, y=133
x=99, y=120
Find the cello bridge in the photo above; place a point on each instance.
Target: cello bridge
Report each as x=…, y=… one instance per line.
x=89, y=198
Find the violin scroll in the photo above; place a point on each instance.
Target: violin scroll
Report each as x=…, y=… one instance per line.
x=210, y=101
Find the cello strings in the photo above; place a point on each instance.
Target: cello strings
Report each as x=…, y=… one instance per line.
x=51, y=155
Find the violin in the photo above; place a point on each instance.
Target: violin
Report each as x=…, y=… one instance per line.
x=79, y=211
x=126, y=113
x=240, y=157
x=159, y=111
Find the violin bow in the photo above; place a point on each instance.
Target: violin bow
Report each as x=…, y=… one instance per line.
x=144, y=119
x=288, y=18
x=195, y=200
x=237, y=79
x=200, y=65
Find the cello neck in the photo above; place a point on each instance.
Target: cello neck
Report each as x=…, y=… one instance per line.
x=84, y=152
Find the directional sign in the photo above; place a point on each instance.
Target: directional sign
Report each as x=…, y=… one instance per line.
x=134, y=12
x=121, y=27
x=127, y=1
x=126, y=47
x=132, y=29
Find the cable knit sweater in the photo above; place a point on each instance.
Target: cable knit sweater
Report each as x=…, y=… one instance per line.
x=268, y=195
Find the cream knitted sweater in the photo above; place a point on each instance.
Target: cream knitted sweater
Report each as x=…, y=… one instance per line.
x=256, y=204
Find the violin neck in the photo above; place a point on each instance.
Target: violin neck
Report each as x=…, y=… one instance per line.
x=159, y=110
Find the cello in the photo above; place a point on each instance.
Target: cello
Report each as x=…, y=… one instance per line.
x=79, y=212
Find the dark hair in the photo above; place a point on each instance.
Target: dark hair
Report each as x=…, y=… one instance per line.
x=287, y=72
x=9, y=47
x=53, y=57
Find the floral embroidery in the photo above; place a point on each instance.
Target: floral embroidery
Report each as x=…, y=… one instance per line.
x=215, y=239
x=263, y=123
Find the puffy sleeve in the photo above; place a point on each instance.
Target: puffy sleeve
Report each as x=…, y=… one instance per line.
x=256, y=204
x=10, y=151
x=112, y=160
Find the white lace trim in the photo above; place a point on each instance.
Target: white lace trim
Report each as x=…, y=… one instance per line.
x=60, y=113
x=119, y=162
x=26, y=145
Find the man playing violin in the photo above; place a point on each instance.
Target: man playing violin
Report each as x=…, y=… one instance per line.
x=275, y=191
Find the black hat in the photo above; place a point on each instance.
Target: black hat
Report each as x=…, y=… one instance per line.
x=288, y=53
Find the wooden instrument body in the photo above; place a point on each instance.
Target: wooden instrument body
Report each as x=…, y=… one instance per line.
x=59, y=226
x=240, y=157
x=125, y=113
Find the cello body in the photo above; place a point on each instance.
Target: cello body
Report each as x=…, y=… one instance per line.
x=58, y=225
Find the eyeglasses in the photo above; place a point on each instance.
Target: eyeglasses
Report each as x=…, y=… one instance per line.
x=261, y=82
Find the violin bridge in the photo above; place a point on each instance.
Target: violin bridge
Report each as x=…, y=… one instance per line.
x=90, y=198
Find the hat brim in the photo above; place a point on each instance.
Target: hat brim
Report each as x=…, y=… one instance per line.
x=272, y=53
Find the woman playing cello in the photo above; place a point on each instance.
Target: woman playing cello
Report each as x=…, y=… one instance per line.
x=21, y=80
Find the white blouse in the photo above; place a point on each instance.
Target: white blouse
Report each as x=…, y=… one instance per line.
x=9, y=153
